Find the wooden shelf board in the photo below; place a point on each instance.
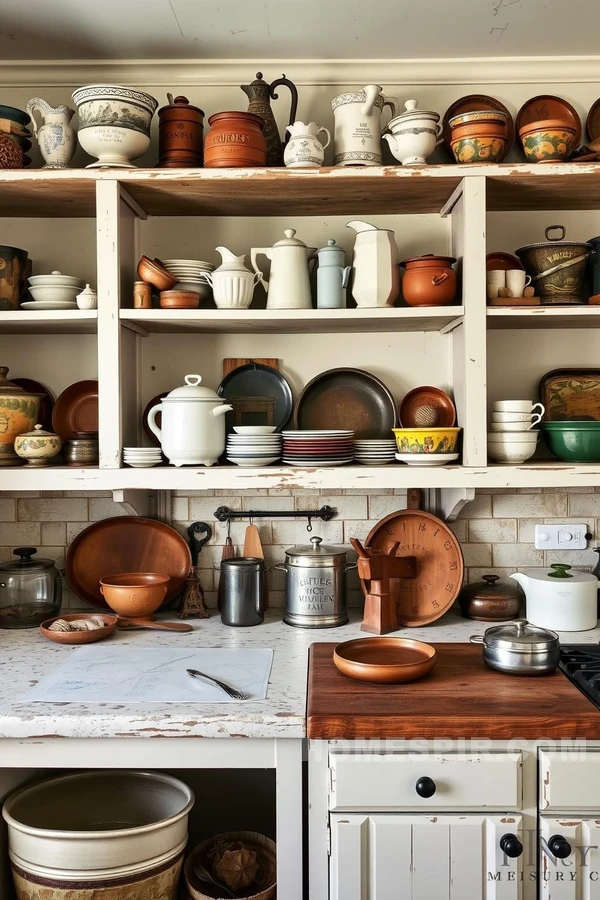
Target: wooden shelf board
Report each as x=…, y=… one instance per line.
x=543, y=186
x=291, y=321
x=544, y=317
x=28, y=321
x=48, y=193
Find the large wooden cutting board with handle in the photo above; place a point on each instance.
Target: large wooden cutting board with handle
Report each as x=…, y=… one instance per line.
x=231, y=363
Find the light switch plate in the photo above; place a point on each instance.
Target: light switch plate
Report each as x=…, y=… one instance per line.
x=565, y=536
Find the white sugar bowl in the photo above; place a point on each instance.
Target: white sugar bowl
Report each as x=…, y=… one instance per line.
x=87, y=299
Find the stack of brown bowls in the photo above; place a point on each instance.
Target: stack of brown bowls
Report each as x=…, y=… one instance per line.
x=479, y=136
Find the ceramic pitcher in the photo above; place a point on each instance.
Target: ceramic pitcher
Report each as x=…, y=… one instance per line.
x=376, y=275
x=232, y=283
x=55, y=136
x=288, y=286
x=357, y=126
x=304, y=149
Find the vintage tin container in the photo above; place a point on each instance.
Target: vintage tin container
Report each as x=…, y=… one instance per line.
x=315, y=585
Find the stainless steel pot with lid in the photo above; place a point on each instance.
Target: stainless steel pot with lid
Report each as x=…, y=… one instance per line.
x=519, y=648
x=315, y=585
x=30, y=590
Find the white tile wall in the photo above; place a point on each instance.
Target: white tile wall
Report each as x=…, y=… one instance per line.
x=496, y=529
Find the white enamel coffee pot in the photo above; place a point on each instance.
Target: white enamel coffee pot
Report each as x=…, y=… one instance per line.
x=288, y=286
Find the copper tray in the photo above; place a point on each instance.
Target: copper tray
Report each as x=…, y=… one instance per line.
x=473, y=103
x=384, y=660
x=592, y=124
x=547, y=106
x=347, y=398
x=123, y=544
x=571, y=394
x=76, y=410
x=504, y=261
x=427, y=407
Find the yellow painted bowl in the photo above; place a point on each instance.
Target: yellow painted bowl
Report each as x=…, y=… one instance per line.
x=426, y=440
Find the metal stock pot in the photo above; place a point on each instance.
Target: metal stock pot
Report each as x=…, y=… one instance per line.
x=519, y=648
x=315, y=585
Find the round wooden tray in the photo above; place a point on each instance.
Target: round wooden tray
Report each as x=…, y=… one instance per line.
x=427, y=407
x=384, y=660
x=124, y=544
x=76, y=410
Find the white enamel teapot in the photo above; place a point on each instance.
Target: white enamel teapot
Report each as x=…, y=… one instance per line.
x=560, y=600
x=288, y=286
x=193, y=424
x=304, y=149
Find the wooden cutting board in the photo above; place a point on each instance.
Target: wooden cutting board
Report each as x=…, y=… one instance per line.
x=229, y=364
x=461, y=698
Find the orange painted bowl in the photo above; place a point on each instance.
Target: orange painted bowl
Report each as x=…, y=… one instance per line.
x=79, y=637
x=384, y=660
x=548, y=141
x=486, y=147
x=480, y=122
x=134, y=594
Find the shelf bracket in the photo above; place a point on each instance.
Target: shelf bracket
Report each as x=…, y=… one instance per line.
x=447, y=502
x=134, y=502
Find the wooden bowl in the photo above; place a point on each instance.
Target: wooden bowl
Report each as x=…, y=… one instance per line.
x=153, y=272
x=134, y=594
x=79, y=637
x=547, y=141
x=427, y=407
x=384, y=660
x=179, y=300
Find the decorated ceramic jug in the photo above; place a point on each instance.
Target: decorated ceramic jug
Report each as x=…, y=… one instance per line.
x=304, y=149
x=357, y=126
x=55, y=136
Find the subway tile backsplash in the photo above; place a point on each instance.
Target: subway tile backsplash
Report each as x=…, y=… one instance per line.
x=496, y=529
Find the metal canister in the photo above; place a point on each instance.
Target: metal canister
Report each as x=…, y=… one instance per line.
x=242, y=591
x=315, y=585
x=180, y=134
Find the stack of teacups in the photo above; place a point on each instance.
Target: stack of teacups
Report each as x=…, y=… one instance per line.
x=511, y=438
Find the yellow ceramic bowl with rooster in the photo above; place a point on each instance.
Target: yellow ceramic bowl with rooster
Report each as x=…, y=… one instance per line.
x=427, y=440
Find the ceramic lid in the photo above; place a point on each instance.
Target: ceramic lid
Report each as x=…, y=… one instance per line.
x=179, y=102
x=289, y=240
x=25, y=561
x=520, y=635
x=560, y=574
x=88, y=292
x=315, y=553
x=430, y=258
x=7, y=387
x=331, y=247
x=38, y=431
x=191, y=390
x=412, y=112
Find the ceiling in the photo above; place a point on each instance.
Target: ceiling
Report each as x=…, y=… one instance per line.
x=296, y=29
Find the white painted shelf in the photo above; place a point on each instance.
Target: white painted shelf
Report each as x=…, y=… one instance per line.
x=544, y=317
x=29, y=321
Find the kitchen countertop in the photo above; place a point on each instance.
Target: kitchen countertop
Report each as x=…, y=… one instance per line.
x=25, y=657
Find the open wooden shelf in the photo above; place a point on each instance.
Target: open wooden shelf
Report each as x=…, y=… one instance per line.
x=29, y=321
x=48, y=193
x=292, y=321
x=544, y=317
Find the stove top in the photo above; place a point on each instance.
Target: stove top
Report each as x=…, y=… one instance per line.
x=581, y=664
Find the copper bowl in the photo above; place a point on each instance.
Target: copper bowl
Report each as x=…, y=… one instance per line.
x=153, y=272
x=134, y=594
x=79, y=637
x=384, y=660
x=179, y=300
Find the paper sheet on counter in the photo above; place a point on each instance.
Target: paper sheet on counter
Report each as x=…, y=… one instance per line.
x=129, y=675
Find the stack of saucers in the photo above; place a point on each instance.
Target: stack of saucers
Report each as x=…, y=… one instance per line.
x=142, y=457
x=317, y=448
x=375, y=452
x=188, y=273
x=253, y=445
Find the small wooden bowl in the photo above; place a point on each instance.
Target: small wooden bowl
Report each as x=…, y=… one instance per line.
x=153, y=272
x=384, y=660
x=134, y=594
x=427, y=407
x=179, y=300
x=79, y=637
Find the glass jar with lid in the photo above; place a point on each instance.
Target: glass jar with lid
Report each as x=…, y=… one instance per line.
x=30, y=590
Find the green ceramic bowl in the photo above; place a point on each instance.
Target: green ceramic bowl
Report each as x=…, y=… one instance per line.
x=573, y=441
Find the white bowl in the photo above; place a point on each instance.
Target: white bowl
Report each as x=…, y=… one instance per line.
x=510, y=438
x=250, y=462
x=55, y=279
x=254, y=429
x=62, y=293
x=515, y=454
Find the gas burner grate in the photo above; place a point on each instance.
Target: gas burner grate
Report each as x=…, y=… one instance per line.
x=581, y=664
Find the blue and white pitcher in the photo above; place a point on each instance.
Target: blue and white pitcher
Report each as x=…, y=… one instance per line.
x=55, y=135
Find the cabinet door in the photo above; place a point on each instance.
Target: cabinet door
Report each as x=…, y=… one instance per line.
x=569, y=858
x=398, y=857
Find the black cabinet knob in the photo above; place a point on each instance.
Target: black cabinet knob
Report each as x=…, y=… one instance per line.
x=559, y=846
x=511, y=845
x=425, y=787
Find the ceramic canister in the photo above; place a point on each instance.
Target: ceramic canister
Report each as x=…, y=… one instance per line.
x=332, y=277
x=180, y=134
x=13, y=277
x=235, y=140
x=18, y=413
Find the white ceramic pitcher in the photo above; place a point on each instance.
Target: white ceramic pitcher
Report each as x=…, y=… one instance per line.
x=288, y=286
x=232, y=283
x=357, y=126
x=376, y=280
x=55, y=136
x=304, y=149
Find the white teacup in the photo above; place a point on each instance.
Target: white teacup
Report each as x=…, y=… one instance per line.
x=516, y=282
x=504, y=438
x=517, y=406
x=505, y=427
x=513, y=417
x=495, y=279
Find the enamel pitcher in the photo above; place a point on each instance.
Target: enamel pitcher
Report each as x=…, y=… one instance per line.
x=288, y=286
x=357, y=126
x=55, y=135
x=376, y=275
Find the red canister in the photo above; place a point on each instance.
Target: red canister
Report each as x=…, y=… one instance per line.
x=235, y=140
x=180, y=134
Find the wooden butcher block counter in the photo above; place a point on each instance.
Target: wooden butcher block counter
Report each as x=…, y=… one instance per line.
x=461, y=698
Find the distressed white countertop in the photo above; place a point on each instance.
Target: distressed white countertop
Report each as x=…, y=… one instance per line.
x=26, y=656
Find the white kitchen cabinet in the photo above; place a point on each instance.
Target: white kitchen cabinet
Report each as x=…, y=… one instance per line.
x=569, y=781
x=405, y=857
x=569, y=858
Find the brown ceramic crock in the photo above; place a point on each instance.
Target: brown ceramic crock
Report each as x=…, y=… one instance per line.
x=490, y=600
x=180, y=134
x=235, y=140
x=429, y=280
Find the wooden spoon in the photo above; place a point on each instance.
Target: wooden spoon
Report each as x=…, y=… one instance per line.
x=253, y=547
x=151, y=623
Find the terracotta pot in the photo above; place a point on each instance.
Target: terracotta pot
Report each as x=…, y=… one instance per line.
x=429, y=280
x=18, y=414
x=134, y=594
x=180, y=134
x=235, y=140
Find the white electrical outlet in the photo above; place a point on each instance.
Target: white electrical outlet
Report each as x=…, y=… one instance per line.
x=561, y=536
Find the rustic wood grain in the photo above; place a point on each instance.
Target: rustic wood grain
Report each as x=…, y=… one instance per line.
x=461, y=698
x=231, y=363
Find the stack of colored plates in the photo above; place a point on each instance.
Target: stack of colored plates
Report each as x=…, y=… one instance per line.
x=375, y=452
x=142, y=457
x=317, y=448
x=254, y=449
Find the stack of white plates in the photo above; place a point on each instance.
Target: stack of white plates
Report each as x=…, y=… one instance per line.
x=188, y=272
x=142, y=457
x=317, y=448
x=375, y=452
x=254, y=445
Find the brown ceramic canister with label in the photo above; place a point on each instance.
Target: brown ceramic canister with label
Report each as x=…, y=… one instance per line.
x=236, y=140
x=180, y=134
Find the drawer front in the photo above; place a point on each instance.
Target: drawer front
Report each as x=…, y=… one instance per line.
x=569, y=781
x=419, y=781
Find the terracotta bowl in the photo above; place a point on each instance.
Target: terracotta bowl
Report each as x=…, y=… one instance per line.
x=134, y=594
x=384, y=660
x=480, y=148
x=79, y=637
x=179, y=300
x=153, y=272
x=549, y=141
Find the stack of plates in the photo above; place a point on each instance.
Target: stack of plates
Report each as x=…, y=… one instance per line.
x=317, y=448
x=254, y=445
x=187, y=272
x=142, y=457
x=375, y=452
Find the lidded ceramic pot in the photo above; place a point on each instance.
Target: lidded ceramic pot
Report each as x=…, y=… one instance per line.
x=429, y=280
x=414, y=134
x=18, y=414
x=491, y=600
x=235, y=140
x=38, y=447
x=315, y=585
x=193, y=424
x=87, y=299
x=562, y=600
x=180, y=134
x=333, y=276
